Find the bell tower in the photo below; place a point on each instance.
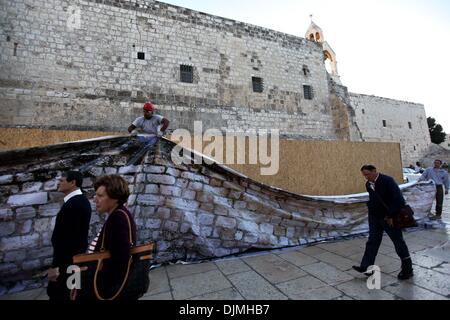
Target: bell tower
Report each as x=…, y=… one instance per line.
x=315, y=33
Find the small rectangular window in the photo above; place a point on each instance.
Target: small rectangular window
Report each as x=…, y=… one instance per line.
x=308, y=92
x=410, y=125
x=141, y=55
x=384, y=123
x=186, y=74
x=363, y=111
x=258, y=84
x=305, y=70
x=414, y=148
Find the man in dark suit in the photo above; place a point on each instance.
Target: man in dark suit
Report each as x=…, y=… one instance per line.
x=385, y=201
x=70, y=235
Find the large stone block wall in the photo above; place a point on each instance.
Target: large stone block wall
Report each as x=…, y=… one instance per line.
x=191, y=212
x=372, y=110
x=87, y=77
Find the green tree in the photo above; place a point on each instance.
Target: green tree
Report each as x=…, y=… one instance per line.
x=436, y=133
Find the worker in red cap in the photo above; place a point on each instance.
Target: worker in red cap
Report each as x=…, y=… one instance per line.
x=151, y=125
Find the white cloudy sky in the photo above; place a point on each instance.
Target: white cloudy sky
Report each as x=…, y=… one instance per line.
x=390, y=48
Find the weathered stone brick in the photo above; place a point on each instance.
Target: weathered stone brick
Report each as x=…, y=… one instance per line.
x=152, y=223
x=196, y=186
x=28, y=199
x=51, y=185
x=189, y=194
x=31, y=265
x=5, y=179
x=248, y=226
x=225, y=222
x=195, y=177
x=266, y=228
x=43, y=252
x=13, y=256
x=179, y=203
x=171, y=191
x=163, y=213
x=205, y=219
x=6, y=214
x=154, y=169
x=251, y=238
x=7, y=228
x=110, y=170
x=215, y=183
x=215, y=190
x=162, y=179
x=233, y=186
x=152, y=188
x=130, y=169
x=25, y=213
x=24, y=227
x=49, y=210
x=204, y=197
x=182, y=183
x=20, y=242
x=44, y=224
x=31, y=187
x=150, y=200
x=24, y=177
x=173, y=172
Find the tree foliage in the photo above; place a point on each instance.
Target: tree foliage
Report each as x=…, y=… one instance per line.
x=436, y=132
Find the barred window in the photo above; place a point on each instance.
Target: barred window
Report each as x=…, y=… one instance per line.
x=141, y=55
x=410, y=125
x=308, y=92
x=258, y=84
x=384, y=123
x=186, y=73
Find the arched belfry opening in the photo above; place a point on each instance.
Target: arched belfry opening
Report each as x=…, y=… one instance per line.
x=315, y=33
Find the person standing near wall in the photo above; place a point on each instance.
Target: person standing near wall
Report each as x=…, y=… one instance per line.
x=152, y=125
x=440, y=178
x=385, y=201
x=70, y=235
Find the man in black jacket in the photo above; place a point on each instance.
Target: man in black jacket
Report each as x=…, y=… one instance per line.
x=385, y=201
x=70, y=235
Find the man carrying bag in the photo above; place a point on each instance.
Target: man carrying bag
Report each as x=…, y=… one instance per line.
x=385, y=203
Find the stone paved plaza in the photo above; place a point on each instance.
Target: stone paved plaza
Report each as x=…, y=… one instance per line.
x=322, y=271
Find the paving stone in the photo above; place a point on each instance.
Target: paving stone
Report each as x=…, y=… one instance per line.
x=254, y=287
x=180, y=270
x=24, y=295
x=409, y=291
x=432, y=280
x=159, y=296
x=297, y=258
x=312, y=250
x=327, y=273
x=335, y=260
x=273, y=268
x=198, y=284
x=294, y=288
x=226, y=294
x=231, y=266
x=159, y=281
x=357, y=289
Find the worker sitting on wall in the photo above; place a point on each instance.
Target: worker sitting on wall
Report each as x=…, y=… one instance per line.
x=152, y=125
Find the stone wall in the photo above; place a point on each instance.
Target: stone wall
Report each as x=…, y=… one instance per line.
x=55, y=75
x=191, y=211
x=405, y=122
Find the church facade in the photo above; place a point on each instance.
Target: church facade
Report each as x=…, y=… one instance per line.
x=91, y=64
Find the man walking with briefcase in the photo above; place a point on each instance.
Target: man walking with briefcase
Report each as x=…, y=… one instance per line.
x=385, y=202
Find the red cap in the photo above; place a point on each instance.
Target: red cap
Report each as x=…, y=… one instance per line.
x=148, y=106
